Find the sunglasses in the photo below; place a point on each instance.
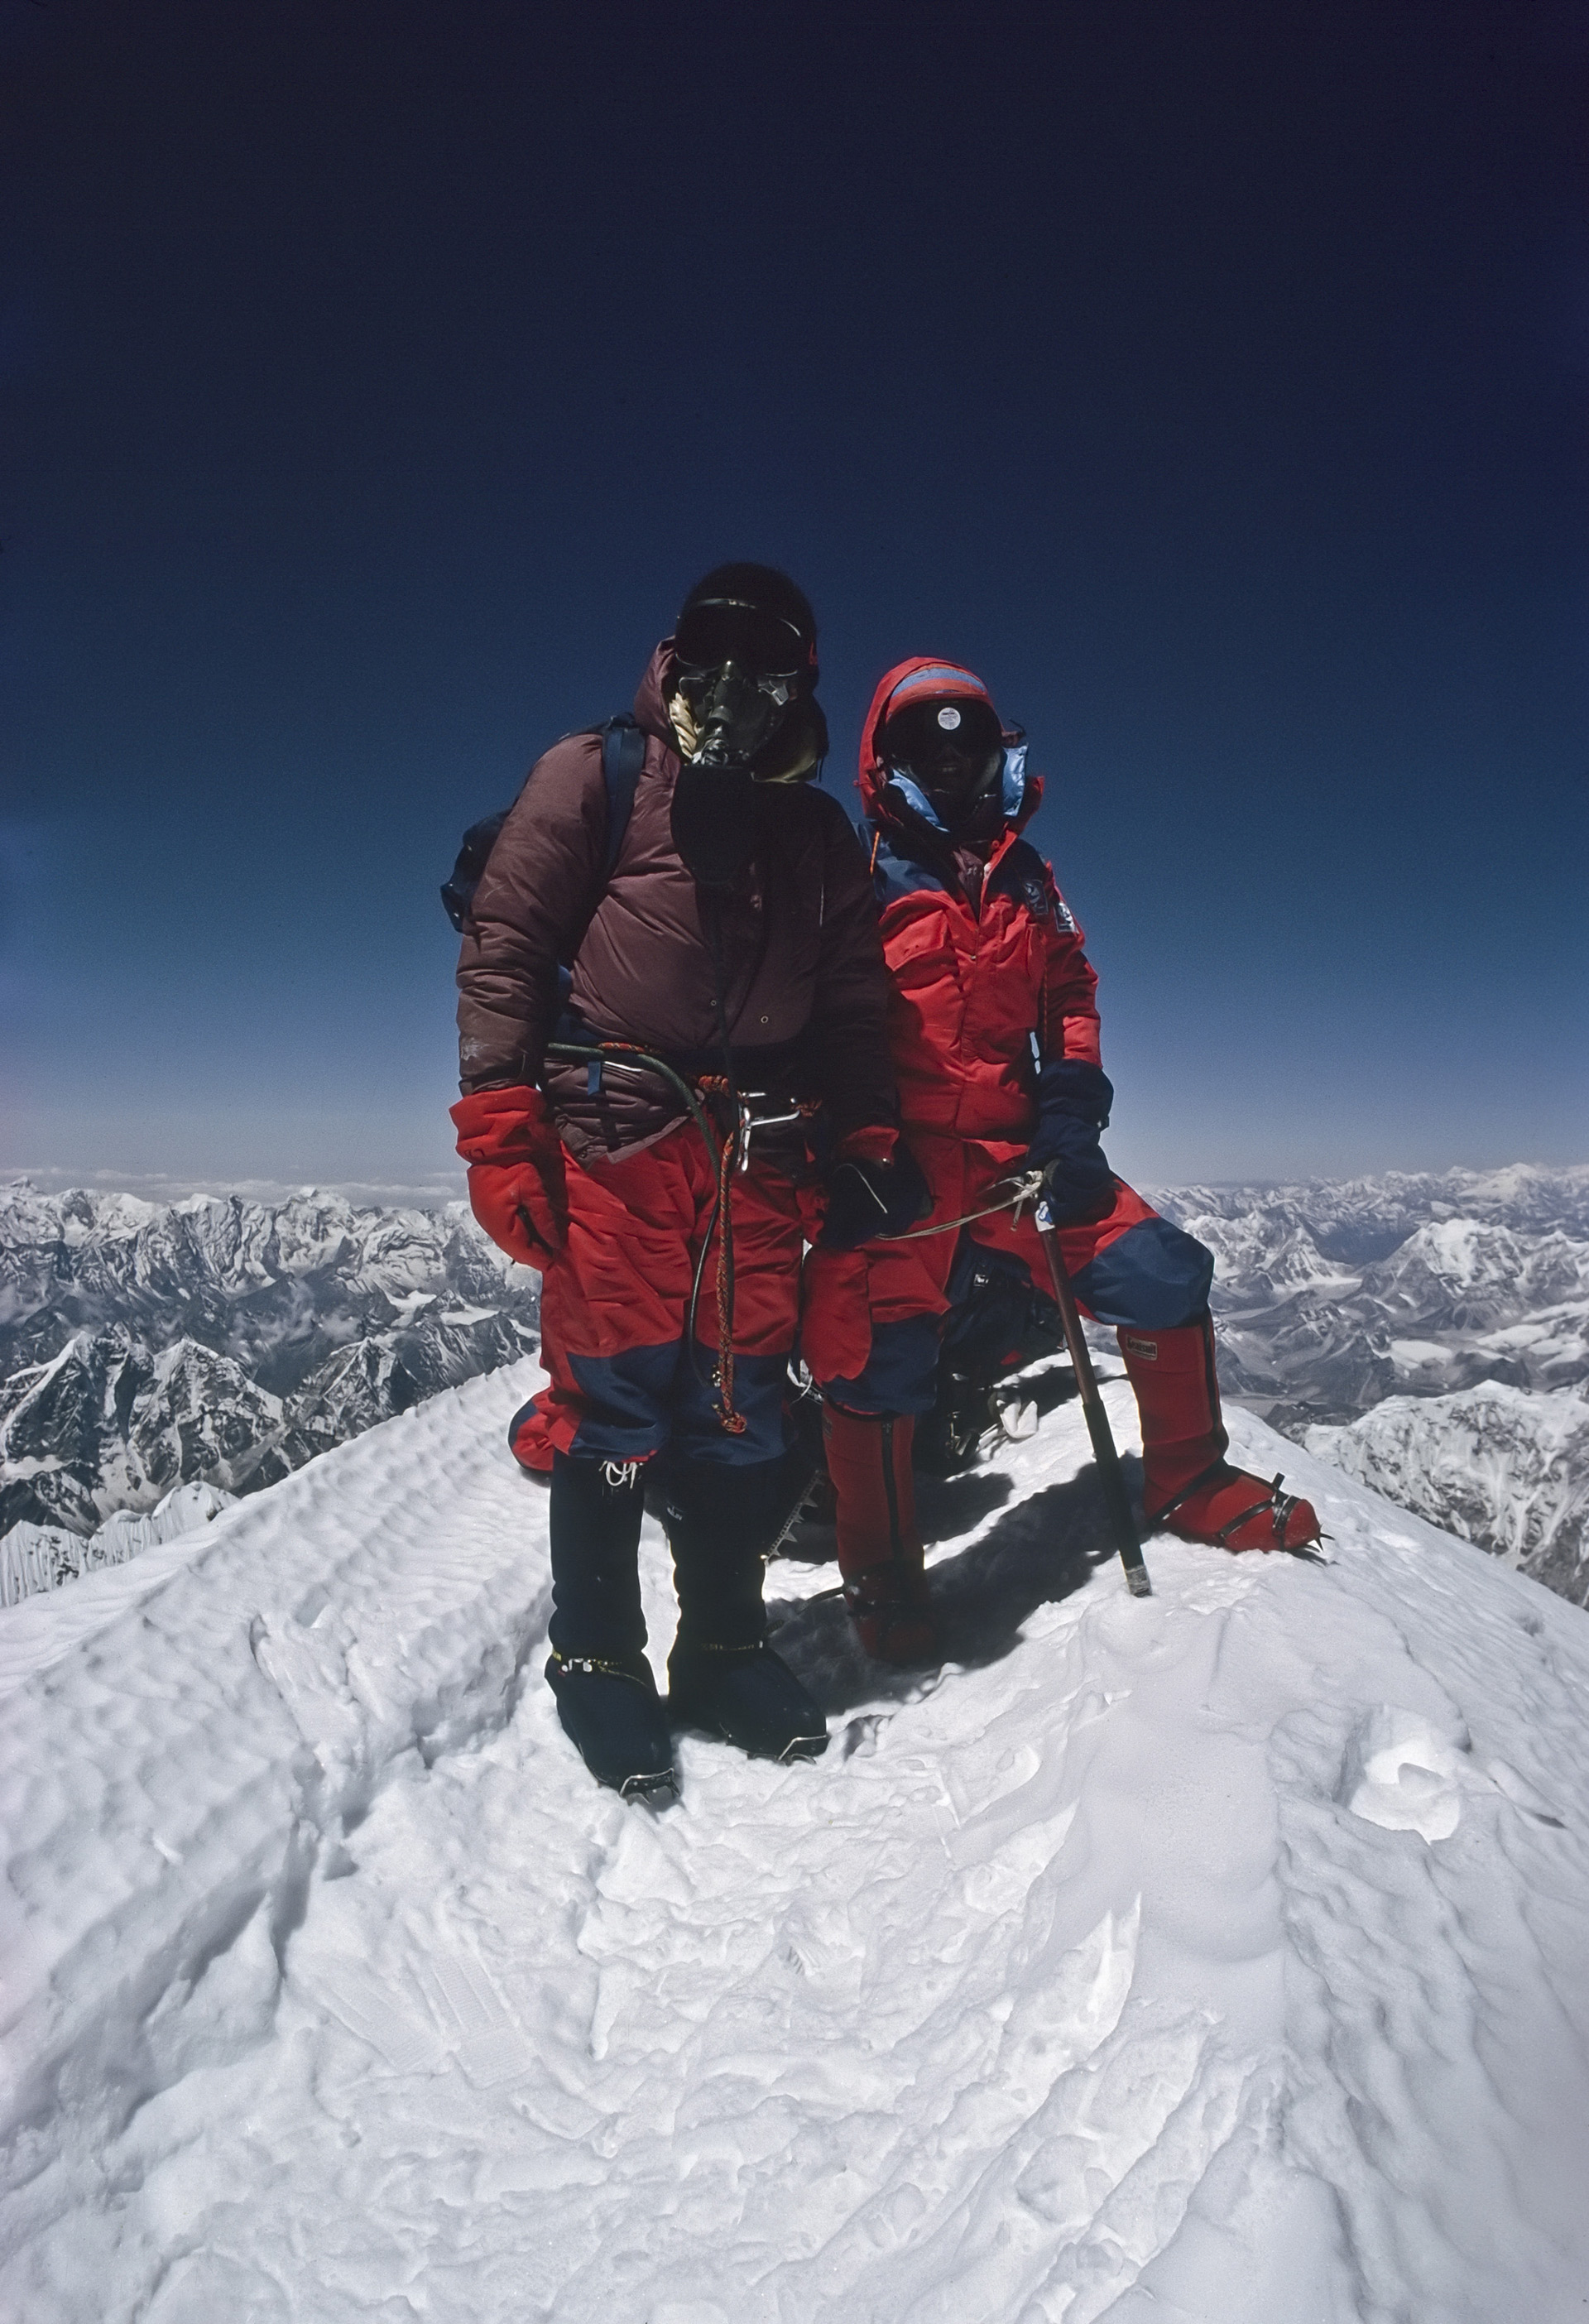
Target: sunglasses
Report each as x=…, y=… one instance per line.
x=724, y=630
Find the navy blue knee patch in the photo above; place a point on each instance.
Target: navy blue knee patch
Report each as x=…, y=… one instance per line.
x=628, y=1402
x=1154, y=1275
x=901, y=1373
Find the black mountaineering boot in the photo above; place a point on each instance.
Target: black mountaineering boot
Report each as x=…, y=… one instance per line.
x=607, y=1697
x=750, y=1696
x=721, y=1674
x=616, y=1720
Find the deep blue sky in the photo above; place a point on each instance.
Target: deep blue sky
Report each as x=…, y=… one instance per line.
x=377, y=376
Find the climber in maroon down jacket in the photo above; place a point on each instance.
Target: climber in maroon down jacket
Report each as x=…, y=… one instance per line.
x=734, y=944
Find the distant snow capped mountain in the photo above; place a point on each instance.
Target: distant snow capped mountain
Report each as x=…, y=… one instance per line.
x=221, y=1342
x=1328, y=1298
x=279, y=1287
x=1502, y=1466
x=1428, y=1333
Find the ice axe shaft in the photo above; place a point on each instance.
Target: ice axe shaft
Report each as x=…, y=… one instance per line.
x=1116, y=1499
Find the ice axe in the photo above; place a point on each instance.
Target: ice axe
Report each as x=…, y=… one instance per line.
x=1116, y=1499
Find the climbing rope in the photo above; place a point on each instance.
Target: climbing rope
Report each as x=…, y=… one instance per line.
x=732, y=1149
x=1027, y=1187
x=734, y=1421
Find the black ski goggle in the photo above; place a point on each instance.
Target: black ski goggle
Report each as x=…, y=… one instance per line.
x=917, y=738
x=724, y=630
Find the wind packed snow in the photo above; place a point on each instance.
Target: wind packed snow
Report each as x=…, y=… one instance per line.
x=1216, y=1957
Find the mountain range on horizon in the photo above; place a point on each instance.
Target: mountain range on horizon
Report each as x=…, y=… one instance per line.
x=1426, y=1332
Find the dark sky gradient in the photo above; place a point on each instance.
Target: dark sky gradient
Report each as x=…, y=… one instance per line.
x=376, y=378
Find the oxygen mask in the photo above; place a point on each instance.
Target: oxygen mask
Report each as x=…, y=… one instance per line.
x=732, y=714
x=738, y=668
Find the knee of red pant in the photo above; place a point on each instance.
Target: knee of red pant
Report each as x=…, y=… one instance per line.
x=764, y=1304
x=608, y=1292
x=602, y=1315
x=835, y=1313
x=1080, y=1239
x=738, y=1432
x=1127, y=1210
x=898, y=1375
x=1154, y=1275
x=766, y=1312
x=614, y=1407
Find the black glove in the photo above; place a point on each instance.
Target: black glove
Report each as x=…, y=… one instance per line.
x=873, y=1198
x=1074, y=1099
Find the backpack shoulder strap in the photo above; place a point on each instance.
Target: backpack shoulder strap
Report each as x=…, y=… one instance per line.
x=623, y=761
x=623, y=758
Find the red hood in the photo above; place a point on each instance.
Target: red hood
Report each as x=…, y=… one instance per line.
x=873, y=778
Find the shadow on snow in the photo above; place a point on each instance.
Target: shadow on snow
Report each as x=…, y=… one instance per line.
x=1036, y=1553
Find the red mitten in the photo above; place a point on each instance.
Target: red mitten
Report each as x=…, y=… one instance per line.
x=516, y=1185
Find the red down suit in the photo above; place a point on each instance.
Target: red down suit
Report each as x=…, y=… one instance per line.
x=794, y=954
x=989, y=982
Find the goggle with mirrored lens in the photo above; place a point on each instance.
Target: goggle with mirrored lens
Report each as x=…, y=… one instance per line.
x=724, y=630
x=918, y=736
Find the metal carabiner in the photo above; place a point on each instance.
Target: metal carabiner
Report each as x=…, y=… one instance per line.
x=1029, y=1186
x=749, y=1122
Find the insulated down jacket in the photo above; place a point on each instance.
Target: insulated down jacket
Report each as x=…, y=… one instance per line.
x=983, y=952
x=804, y=989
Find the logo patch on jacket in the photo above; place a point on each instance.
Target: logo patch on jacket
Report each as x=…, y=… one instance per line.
x=1147, y=1349
x=1035, y=893
x=1063, y=915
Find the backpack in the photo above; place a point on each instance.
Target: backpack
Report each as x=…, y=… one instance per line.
x=623, y=755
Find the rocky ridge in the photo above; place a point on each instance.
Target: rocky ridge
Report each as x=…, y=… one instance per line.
x=1427, y=1333
x=145, y=1346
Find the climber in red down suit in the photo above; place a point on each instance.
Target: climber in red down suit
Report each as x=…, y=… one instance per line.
x=994, y=1030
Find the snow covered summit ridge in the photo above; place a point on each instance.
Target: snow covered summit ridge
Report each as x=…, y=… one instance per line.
x=1211, y=1959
